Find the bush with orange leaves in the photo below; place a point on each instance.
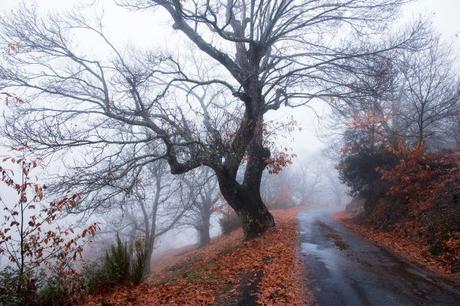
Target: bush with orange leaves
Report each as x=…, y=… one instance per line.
x=429, y=186
x=39, y=248
x=418, y=200
x=420, y=178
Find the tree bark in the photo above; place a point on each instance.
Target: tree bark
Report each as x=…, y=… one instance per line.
x=148, y=256
x=245, y=198
x=205, y=222
x=204, y=236
x=248, y=205
x=254, y=215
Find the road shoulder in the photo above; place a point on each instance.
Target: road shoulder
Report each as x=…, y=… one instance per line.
x=407, y=249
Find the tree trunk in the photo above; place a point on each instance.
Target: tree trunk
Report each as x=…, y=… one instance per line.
x=245, y=198
x=204, y=237
x=205, y=222
x=248, y=205
x=148, y=256
x=254, y=215
x=151, y=225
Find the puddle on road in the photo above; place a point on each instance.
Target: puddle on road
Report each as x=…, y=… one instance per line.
x=333, y=236
x=309, y=248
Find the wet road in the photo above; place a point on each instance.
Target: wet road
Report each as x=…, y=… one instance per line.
x=346, y=269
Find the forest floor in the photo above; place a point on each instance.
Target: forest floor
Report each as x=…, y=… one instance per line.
x=230, y=271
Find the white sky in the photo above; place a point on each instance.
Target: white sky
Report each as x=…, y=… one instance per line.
x=152, y=30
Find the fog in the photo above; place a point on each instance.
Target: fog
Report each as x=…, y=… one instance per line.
x=309, y=178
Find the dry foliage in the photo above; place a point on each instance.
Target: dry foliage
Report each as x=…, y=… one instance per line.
x=29, y=232
x=418, y=213
x=428, y=185
x=39, y=246
x=262, y=271
x=420, y=178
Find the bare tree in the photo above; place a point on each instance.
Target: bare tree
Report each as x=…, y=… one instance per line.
x=205, y=200
x=155, y=205
x=409, y=94
x=430, y=90
x=306, y=180
x=111, y=111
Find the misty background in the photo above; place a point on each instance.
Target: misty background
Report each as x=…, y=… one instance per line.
x=313, y=168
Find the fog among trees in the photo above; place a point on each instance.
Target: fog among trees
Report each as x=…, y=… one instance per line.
x=146, y=147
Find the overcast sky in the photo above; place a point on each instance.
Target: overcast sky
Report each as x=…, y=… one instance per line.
x=149, y=30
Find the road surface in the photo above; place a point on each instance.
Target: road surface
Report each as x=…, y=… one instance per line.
x=345, y=269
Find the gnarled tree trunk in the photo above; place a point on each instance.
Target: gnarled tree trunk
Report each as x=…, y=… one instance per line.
x=248, y=204
x=245, y=198
x=254, y=215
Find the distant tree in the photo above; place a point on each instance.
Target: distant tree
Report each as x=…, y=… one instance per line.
x=430, y=91
x=410, y=94
x=336, y=190
x=154, y=205
x=307, y=180
x=452, y=129
x=369, y=118
x=276, y=190
x=205, y=200
x=310, y=180
x=269, y=54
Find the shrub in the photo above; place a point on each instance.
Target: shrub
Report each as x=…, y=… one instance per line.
x=229, y=222
x=115, y=268
x=9, y=293
x=40, y=288
x=94, y=277
x=360, y=171
x=60, y=290
x=116, y=262
x=138, y=263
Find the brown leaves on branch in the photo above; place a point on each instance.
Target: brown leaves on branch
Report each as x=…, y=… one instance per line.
x=30, y=233
x=279, y=161
x=11, y=98
x=420, y=177
x=280, y=157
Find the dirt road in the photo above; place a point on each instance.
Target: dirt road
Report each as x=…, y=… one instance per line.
x=346, y=269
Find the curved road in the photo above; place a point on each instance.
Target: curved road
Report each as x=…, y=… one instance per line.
x=345, y=269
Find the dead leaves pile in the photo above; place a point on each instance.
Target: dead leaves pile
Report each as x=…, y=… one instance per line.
x=263, y=271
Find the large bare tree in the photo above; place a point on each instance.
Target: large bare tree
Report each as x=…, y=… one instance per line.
x=269, y=54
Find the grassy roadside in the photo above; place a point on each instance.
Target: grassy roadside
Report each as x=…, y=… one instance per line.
x=230, y=271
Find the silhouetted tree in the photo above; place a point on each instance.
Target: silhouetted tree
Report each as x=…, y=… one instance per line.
x=269, y=54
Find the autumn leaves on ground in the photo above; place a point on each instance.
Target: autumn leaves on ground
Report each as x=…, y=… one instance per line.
x=230, y=271
x=410, y=208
